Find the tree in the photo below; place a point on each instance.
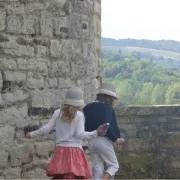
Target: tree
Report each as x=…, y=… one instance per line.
x=158, y=94
x=173, y=94
x=144, y=96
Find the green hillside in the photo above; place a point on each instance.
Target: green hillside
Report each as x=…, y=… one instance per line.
x=157, y=53
x=141, y=81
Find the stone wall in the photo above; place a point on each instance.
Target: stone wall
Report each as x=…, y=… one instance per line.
x=46, y=46
x=152, y=149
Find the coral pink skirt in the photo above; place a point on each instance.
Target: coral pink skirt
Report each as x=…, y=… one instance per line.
x=69, y=163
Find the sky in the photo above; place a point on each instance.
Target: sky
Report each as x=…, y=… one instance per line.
x=141, y=19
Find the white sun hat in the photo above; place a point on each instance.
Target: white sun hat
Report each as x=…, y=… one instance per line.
x=108, y=89
x=74, y=97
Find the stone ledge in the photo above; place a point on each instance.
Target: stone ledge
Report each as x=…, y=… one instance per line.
x=148, y=110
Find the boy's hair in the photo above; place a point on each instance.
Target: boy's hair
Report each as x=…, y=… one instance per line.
x=69, y=112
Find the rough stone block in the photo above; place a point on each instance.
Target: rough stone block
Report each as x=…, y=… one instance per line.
x=14, y=76
x=3, y=158
x=35, y=80
x=15, y=115
x=47, y=98
x=59, y=68
x=6, y=134
x=16, y=96
x=29, y=23
x=21, y=154
x=42, y=51
x=1, y=81
x=62, y=48
x=34, y=174
x=65, y=83
x=97, y=8
x=61, y=27
x=19, y=50
x=13, y=173
x=34, y=6
x=33, y=65
x=15, y=8
x=55, y=48
x=14, y=24
x=2, y=18
x=46, y=24
x=51, y=83
x=44, y=149
x=8, y=64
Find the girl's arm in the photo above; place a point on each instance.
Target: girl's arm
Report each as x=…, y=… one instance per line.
x=48, y=127
x=80, y=132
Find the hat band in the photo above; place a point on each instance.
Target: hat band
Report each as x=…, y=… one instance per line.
x=108, y=92
x=74, y=102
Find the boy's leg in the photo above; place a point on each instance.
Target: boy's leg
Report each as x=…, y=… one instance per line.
x=97, y=165
x=106, y=151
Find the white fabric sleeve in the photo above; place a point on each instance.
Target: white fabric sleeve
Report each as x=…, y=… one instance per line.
x=48, y=127
x=80, y=132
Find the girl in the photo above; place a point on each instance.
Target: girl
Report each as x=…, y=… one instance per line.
x=69, y=160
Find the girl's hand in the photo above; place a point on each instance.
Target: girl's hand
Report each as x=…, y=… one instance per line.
x=101, y=132
x=119, y=141
x=28, y=135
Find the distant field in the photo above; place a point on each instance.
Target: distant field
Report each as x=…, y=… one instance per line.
x=165, y=54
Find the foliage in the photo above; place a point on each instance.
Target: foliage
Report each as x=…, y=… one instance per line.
x=140, y=81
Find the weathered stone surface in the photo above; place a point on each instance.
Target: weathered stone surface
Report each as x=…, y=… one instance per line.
x=61, y=27
x=14, y=49
x=51, y=83
x=33, y=174
x=42, y=51
x=8, y=64
x=6, y=134
x=15, y=115
x=55, y=48
x=60, y=69
x=33, y=65
x=65, y=83
x=14, y=76
x=1, y=81
x=13, y=173
x=16, y=96
x=45, y=47
x=3, y=158
x=35, y=80
x=21, y=154
x=45, y=149
x=46, y=24
x=2, y=18
x=14, y=24
x=29, y=23
x=15, y=8
x=47, y=98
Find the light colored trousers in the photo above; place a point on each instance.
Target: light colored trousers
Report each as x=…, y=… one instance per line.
x=102, y=151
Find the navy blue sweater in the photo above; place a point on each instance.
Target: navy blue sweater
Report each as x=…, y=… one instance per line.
x=97, y=114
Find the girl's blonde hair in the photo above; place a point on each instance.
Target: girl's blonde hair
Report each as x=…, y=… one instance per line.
x=69, y=112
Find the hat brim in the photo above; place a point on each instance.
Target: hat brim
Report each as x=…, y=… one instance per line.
x=107, y=92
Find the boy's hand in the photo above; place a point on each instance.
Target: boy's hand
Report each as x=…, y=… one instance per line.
x=101, y=132
x=119, y=141
x=28, y=134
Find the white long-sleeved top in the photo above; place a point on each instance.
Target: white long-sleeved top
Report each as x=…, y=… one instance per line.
x=68, y=134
